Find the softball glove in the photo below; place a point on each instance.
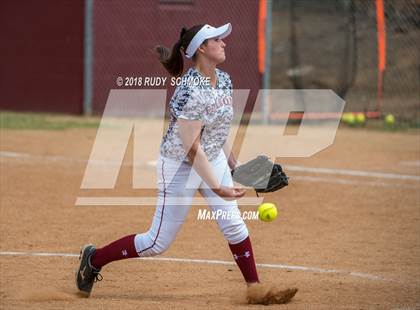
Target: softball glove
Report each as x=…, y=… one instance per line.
x=261, y=174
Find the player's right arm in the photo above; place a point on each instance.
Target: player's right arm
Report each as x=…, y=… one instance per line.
x=189, y=131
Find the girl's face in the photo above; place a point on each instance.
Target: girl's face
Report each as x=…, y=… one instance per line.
x=214, y=50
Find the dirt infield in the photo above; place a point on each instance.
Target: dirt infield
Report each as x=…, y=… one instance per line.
x=346, y=240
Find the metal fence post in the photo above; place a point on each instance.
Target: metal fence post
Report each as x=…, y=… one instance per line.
x=88, y=58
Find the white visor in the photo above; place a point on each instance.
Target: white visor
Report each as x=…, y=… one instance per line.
x=207, y=32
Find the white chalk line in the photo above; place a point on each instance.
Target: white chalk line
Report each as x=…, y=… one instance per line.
x=216, y=262
x=148, y=201
x=354, y=182
x=356, y=173
x=347, y=172
x=58, y=158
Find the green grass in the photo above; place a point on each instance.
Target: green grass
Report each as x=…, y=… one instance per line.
x=45, y=121
x=14, y=120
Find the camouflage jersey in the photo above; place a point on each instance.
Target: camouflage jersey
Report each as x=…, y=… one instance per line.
x=200, y=101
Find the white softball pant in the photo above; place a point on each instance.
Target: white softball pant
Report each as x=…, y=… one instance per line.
x=177, y=185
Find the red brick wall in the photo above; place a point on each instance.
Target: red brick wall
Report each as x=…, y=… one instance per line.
x=41, y=55
x=41, y=50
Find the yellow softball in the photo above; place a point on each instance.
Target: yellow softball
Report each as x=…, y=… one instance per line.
x=267, y=212
x=360, y=118
x=389, y=120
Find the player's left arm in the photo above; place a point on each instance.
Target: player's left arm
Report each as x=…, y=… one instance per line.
x=227, y=147
x=232, y=161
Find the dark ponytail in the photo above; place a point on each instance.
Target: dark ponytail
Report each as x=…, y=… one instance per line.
x=172, y=59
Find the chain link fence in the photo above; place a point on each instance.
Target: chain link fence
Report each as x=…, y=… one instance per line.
x=334, y=44
x=126, y=32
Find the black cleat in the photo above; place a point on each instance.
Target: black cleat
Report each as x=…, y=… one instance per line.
x=87, y=275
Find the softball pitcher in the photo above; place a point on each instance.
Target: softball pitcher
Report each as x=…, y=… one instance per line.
x=193, y=156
